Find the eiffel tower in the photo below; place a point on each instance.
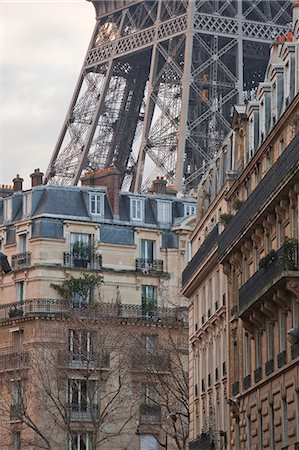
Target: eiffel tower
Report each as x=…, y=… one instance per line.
x=157, y=86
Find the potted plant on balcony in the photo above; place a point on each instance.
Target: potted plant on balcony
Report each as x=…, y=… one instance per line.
x=289, y=256
x=268, y=259
x=82, y=253
x=78, y=290
x=225, y=218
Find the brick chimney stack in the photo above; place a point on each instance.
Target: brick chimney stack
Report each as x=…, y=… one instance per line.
x=36, y=178
x=18, y=183
x=159, y=186
x=109, y=178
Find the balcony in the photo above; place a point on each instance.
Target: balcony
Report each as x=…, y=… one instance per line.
x=200, y=255
x=42, y=307
x=14, y=361
x=84, y=360
x=149, y=266
x=270, y=276
x=21, y=260
x=93, y=262
x=282, y=171
x=82, y=412
x=143, y=362
x=150, y=414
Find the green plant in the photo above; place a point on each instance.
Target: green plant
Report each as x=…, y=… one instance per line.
x=288, y=258
x=237, y=203
x=78, y=287
x=82, y=250
x=15, y=312
x=225, y=218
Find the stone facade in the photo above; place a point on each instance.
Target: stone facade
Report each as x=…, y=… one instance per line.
x=84, y=371
x=256, y=250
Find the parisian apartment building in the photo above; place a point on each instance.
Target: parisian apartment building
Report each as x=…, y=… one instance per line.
x=93, y=327
x=243, y=280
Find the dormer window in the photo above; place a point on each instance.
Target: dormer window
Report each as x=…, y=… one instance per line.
x=96, y=204
x=27, y=204
x=137, y=208
x=189, y=209
x=164, y=212
x=7, y=205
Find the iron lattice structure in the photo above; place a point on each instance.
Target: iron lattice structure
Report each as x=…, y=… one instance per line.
x=157, y=86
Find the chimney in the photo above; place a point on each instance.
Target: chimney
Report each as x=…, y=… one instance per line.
x=159, y=186
x=36, y=178
x=109, y=178
x=18, y=183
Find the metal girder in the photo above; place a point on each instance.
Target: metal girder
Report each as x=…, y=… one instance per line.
x=158, y=83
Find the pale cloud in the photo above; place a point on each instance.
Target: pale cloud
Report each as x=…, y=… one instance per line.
x=43, y=44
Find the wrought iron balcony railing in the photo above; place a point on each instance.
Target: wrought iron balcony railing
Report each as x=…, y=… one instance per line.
x=81, y=412
x=260, y=284
x=21, y=260
x=40, y=307
x=93, y=261
x=84, y=360
x=149, y=265
x=284, y=169
x=150, y=414
x=141, y=361
x=200, y=255
x=14, y=361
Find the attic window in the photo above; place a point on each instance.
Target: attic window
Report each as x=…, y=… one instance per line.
x=164, y=212
x=137, y=208
x=190, y=209
x=27, y=204
x=96, y=204
x=7, y=204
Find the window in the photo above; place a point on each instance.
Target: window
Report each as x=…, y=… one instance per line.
x=270, y=340
x=189, y=209
x=246, y=354
x=297, y=416
x=148, y=442
x=82, y=396
x=7, y=205
x=81, y=344
x=80, y=441
x=137, y=208
x=147, y=249
x=149, y=394
x=149, y=296
x=16, y=400
x=295, y=312
x=150, y=343
x=23, y=243
x=20, y=291
x=16, y=440
x=96, y=204
x=258, y=347
x=17, y=340
x=282, y=331
x=164, y=211
x=27, y=204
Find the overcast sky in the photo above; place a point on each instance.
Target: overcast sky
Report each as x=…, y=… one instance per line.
x=43, y=44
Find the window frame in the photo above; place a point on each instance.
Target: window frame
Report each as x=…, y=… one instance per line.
x=140, y=216
x=162, y=214
x=192, y=207
x=100, y=196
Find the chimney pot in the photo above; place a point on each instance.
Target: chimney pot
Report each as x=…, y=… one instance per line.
x=36, y=178
x=18, y=183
